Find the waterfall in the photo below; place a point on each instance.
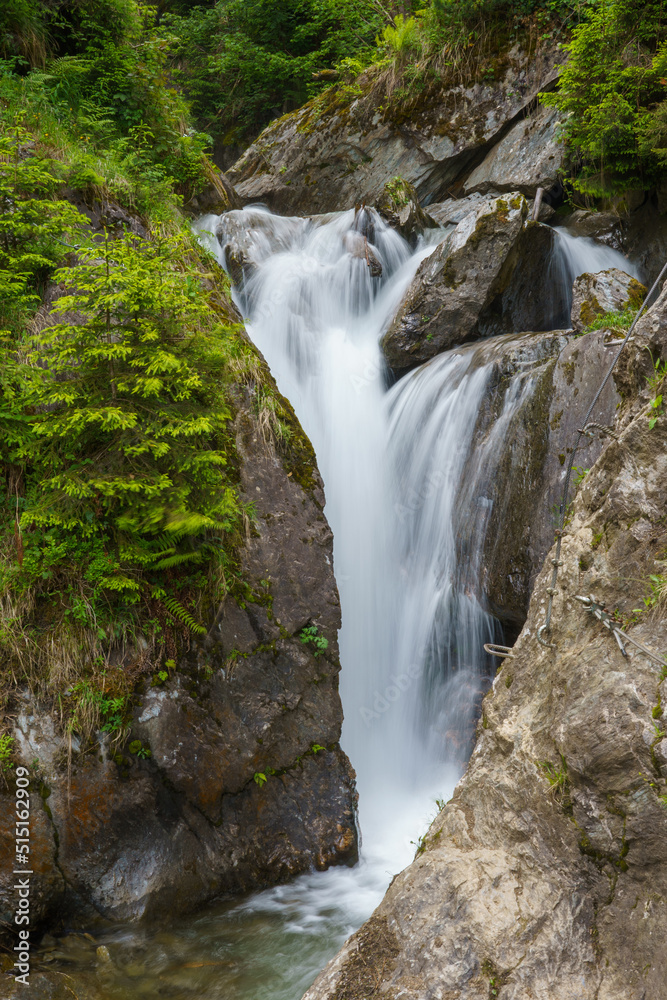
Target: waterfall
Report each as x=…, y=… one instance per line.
x=409, y=475
x=406, y=473
x=574, y=255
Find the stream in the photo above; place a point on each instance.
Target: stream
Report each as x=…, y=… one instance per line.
x=404, y=473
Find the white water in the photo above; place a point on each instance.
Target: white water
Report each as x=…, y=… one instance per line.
x=393, y=464
x=575, y=255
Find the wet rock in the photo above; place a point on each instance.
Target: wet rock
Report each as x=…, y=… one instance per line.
x=452, y=287
x=513, y=498
x=334, y=153
x=399, y=206
x=527, y=158
x=249, y=236
x=526, y=302
x=545, y=876
x=233, y=796
x=600, y=225
x=593, y=295
x=357, y=245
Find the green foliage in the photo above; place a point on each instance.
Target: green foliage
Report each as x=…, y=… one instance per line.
x=310, y=634
x=579, y=474
x=259, y=778
x=33, y=224
x=617, y=322
x=108, y=82
x=244, y=62
x=120, y=503
x=6, y=751
x=556, y=776
x=612, y=97
x=399, y=37
x=655, y=383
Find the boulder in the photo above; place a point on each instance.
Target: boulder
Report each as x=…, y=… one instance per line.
x=545, y=875
x=342, y=147
x=528, y=157
x=399, y=207
x=526, y=302
x=593, y=295
x=248, y=236
x=357, y=245
x=454, y=210
x=453, y=286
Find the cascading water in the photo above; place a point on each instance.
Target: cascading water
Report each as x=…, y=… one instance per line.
x=574, y=255
x=407, y=474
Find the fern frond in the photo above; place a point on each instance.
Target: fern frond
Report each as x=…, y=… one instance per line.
x=178, y=559
x=178, y=611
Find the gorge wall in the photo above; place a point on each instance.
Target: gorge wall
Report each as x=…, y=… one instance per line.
x=230, y=775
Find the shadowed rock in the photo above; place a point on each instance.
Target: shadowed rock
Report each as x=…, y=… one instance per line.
x=453, y=286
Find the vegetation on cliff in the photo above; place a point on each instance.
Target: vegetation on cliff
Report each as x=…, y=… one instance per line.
x=613, y=97
x=121, y=362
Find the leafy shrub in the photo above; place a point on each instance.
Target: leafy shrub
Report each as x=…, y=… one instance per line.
x=611, y=97
x=399, y=36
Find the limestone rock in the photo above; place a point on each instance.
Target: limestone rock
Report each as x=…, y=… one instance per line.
x=545, y=876
x=528, y=157
x=452, y=286
x=249, y=236
x=336, y=152
x=593, y=295
x=451, y=212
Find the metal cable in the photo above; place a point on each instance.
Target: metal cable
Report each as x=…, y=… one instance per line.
x=556, y=562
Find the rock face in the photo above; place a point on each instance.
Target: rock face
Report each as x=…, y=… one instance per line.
x=554, y=377
x=545, y=876
x=593, y=295
x=452, y=286
x=529, y=157
x=336, y=152
x=130, y=838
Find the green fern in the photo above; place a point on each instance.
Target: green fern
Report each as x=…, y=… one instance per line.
x=178, y=558
x=175, y=608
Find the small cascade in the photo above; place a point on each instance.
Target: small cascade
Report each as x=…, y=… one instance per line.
x=574, y=255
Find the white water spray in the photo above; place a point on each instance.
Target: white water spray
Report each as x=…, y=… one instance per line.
x=574, y=255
